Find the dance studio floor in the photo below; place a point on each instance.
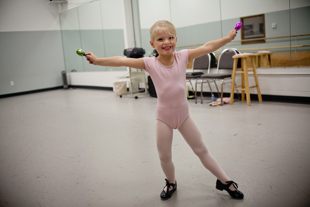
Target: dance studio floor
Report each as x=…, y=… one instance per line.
x=81, y=147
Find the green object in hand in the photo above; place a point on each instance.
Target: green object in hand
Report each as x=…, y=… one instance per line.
x=80, y=52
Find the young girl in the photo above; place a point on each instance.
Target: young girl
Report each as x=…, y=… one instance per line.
x=168, y=72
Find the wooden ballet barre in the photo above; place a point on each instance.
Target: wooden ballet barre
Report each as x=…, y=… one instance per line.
x=263, y=38
x=270, y=48
x=270, y=38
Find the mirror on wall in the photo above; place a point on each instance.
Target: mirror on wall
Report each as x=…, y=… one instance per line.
x=95, y=27
x=199, y=21
x=98, y=27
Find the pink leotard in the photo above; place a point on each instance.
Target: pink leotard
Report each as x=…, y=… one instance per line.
x=170, y=84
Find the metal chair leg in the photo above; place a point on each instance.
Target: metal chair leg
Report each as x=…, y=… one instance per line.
x=201, y=94
x=210, y=87
x=218, y=93
x=196, y=91
x=222, y=92
x=190, y=82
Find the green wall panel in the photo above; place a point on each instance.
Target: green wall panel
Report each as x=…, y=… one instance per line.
x=33, y=60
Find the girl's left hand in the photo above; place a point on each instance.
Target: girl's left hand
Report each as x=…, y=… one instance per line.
x=232, y=34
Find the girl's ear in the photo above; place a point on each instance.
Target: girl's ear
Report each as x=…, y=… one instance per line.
x=152, y=44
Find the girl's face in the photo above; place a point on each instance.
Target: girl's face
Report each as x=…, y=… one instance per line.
x=164, y=42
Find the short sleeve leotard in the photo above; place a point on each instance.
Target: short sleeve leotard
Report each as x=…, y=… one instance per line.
x=170, y=85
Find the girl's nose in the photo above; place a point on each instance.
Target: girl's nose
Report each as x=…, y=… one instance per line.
x=166, y=41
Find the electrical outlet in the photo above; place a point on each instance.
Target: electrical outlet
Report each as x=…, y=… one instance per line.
x=274, y=25
x=12, y=83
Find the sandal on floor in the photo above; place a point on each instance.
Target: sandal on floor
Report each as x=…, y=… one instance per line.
x=170, y=190
x=215, y=103
x=234, y=194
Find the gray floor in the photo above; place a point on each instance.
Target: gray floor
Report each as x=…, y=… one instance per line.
x=78, y=148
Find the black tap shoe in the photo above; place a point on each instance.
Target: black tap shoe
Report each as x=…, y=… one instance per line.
x=170, y=190
x=236, y=194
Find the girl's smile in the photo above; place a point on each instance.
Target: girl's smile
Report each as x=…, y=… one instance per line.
x=166, y=47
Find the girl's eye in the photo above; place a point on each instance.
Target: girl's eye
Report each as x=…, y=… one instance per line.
x=171, y=38
x=160, y=39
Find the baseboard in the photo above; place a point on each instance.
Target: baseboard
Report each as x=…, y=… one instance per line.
x=56, y=88
x=93, y=87
x=271, y=98
x=29, y=92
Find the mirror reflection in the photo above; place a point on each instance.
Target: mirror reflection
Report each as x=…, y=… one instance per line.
x=98, y=27
x=199, y=21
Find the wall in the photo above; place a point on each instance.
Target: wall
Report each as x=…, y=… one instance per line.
x=33, y=54
x=31, y=46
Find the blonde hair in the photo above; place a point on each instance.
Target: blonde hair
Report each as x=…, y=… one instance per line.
x=162, y=24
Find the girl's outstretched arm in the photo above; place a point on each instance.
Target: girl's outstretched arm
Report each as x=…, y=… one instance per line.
x=117, y=61
x=211, y=46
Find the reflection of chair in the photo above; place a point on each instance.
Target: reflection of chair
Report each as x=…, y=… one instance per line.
x=225, y=62
x=199, y=64
x=263, y=59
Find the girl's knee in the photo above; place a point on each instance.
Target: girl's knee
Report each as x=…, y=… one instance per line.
x=165, y=158
x=201, y=151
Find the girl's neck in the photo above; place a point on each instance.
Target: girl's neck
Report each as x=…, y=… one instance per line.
x=166, y=60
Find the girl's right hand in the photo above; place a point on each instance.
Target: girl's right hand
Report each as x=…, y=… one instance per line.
x=91, y=58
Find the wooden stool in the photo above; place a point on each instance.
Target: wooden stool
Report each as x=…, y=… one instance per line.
x=244, y=87
x=263, y=59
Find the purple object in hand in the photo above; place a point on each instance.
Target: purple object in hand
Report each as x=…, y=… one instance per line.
x=238, y=26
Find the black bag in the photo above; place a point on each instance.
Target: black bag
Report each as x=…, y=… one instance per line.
x=152, y=90
x=213, y=61
x=135, y=52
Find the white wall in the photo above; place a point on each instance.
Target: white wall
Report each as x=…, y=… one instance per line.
x=112, y=18
x=72, y=4
x=97, y=79
x=184, y=13
x=240, y=8
x=101, y=17
x=192, y=12
x=30, y=15
x=154, y=11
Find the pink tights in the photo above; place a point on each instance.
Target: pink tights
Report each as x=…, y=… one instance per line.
x=193, y=137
